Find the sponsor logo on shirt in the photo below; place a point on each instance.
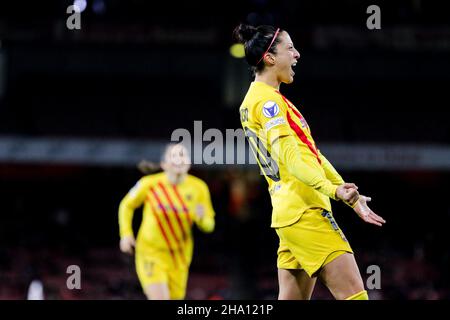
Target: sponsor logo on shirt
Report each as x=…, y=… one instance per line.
x=169, y=208
x=274, y=122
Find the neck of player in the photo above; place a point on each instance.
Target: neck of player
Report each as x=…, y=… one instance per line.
x=269, y=78
x=175, y=178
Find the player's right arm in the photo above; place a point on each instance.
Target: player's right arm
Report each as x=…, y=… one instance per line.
x=134, y=199
x=283, y=145
x=286, y=150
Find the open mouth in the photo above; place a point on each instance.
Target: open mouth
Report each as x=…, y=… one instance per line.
x=292, y=68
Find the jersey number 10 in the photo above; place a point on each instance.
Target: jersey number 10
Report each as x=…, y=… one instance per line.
x=262, y=155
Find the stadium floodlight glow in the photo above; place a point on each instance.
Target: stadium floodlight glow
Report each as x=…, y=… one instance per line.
x=79, y=5
x=237, y=50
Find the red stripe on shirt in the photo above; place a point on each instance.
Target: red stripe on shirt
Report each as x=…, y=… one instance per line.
x=166, y=216
x=302, y=136
x=185, y=209
x=297, y=129
x=175, y=210
x=161, y=228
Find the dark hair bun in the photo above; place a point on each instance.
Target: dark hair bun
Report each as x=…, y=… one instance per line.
x=244, y=33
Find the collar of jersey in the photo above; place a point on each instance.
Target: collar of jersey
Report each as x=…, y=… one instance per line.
x=263, y=84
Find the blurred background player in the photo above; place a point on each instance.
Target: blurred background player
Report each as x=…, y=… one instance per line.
x=301, y=180
x=173, y=201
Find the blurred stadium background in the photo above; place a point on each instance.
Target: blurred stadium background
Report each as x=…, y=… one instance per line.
x=79, y=109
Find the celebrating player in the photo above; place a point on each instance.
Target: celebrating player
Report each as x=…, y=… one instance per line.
x=301, y=180
x=173, y=201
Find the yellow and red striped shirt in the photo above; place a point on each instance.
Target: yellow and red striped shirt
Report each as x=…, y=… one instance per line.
x=266, y=116
x=168, y=215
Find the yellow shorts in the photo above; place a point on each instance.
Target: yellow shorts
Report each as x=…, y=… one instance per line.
x=311, y=242
x=157, y=267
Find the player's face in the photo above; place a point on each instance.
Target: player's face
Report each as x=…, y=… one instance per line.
x=177, y=160
x=286, y=58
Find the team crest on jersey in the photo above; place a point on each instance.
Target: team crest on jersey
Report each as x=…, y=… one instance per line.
x=270, y=109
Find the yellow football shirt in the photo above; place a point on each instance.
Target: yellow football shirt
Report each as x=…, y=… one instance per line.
x=168, y=214
x=299, y=181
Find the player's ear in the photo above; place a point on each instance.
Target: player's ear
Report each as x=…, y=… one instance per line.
x=269, y=59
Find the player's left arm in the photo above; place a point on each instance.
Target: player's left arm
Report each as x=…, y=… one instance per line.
x=332, y=175
x=204, y=212
x=330, y=171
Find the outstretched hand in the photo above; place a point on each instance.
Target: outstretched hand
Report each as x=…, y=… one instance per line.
x=365, y=213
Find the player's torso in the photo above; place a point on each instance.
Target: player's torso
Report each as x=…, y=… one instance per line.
x=168, y=213
x=289, y=195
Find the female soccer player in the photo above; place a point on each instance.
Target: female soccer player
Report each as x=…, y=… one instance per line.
x=301, y=180
x=173, y=201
